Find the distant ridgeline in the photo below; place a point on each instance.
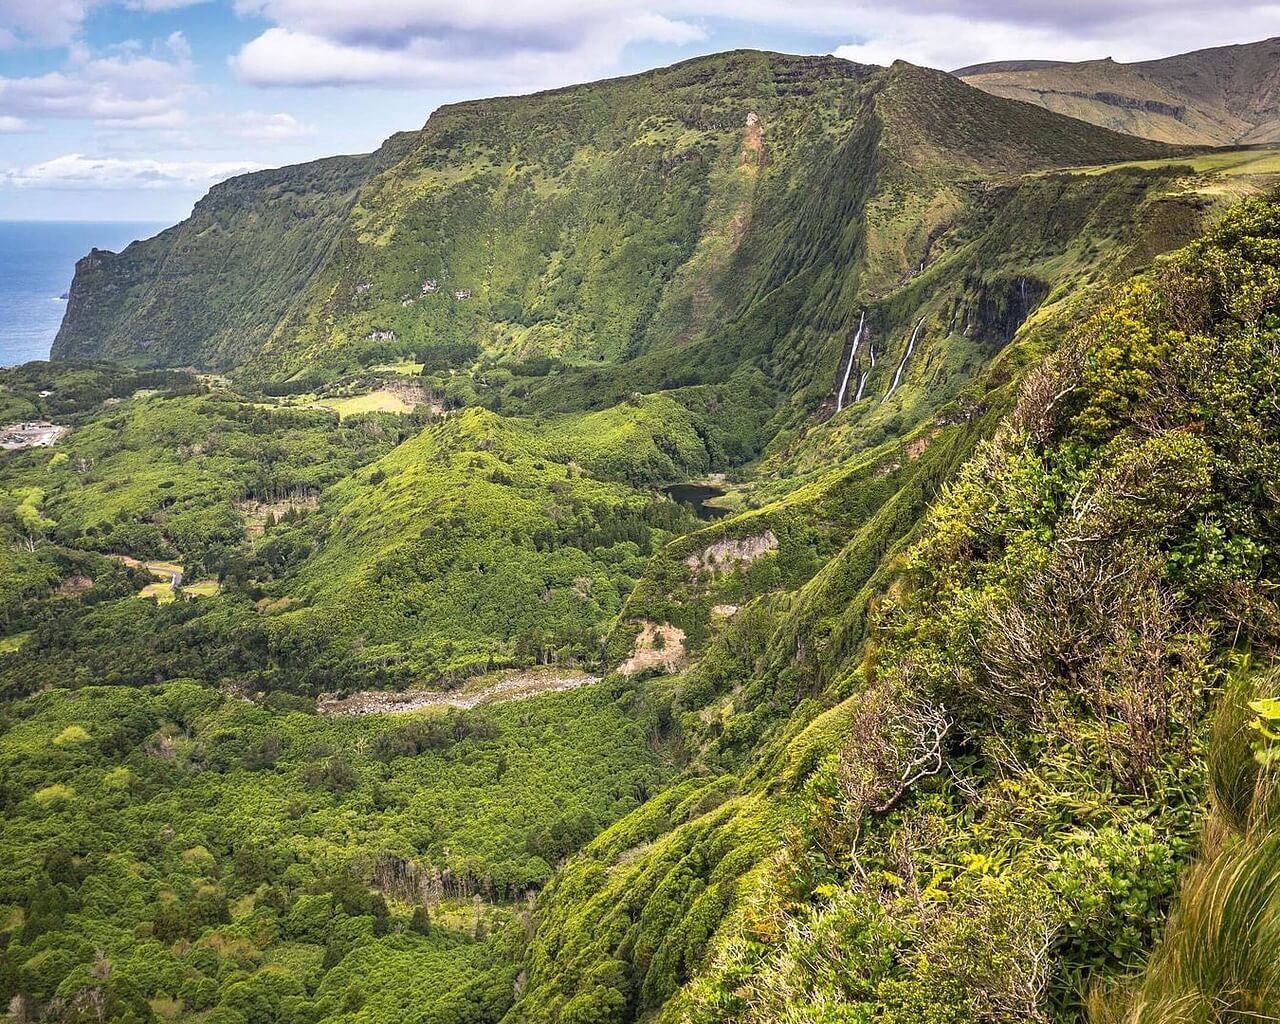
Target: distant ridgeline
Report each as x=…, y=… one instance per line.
x=645, y=233
x=1221, y=96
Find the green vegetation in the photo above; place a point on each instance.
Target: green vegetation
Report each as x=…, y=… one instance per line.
x=480, y=542
x=1230, y=162
x=965, y=713
x=568, y=249
x=374, y=401
x=170, y=843
x=230, y=271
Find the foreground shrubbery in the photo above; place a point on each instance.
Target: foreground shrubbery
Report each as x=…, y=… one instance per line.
x=955, y=775
x=1022, y=778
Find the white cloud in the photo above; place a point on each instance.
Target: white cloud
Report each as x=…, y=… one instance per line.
x=971, y=33
x=252, y=124
x=58, y=22
x=177, y=45
x=125, y=89
x=399, y=42
x=37, y=23
x=948, y=41
x=77, y=171
x=525, y=45
x=11, y=125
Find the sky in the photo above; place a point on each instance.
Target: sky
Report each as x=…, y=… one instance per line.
x=131, y=109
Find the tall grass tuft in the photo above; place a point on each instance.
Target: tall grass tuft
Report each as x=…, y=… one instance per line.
x=1219, y=960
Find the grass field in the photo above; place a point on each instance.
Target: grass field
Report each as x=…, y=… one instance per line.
x=162, y=592
x=9, y=644
x=201, y=588
x=408, y=368
x=166, y=573
x=1231, y=162
x=383, y=400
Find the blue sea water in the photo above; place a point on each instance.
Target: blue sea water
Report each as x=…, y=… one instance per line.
x=37, y=261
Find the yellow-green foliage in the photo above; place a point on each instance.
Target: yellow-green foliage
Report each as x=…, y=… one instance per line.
x=938, y=766
x=151, y=476
x=71, y=734
x=1060, y=628
x=1215, y=959
x=374, y=401
x=488, y=540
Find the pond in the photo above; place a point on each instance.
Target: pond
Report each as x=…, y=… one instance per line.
x=696, y=497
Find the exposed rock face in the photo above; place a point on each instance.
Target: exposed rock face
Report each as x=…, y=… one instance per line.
x=730, y=552
x=74, y=586
x=208, y=292
x=509, y=686
x=992, y=311
x=659, y=646
x=753, y=152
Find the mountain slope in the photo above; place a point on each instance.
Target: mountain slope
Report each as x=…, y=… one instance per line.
x=1220, y=96
x=208, y=291
x=592, y=224
x=917, y=732
x=978, y=807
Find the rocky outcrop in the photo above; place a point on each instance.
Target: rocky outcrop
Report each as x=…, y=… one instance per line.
x=658, y=647
x=731, y=552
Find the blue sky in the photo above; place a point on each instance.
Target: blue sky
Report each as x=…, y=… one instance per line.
x=130, y=109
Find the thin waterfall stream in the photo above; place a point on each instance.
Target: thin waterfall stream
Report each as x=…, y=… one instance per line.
x=853, y=352
x=911, y=347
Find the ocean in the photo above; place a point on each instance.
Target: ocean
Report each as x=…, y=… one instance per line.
x=37, y=261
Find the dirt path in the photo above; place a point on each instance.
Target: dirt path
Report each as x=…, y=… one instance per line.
x=513, y=686
x=170, y=572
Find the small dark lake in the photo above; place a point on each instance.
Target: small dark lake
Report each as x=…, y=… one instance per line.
x=696, y=497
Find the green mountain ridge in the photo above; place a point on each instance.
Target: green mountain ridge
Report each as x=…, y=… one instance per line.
x=1224, y=95
x=672, y=145
x=210, y=290
x=961, y=709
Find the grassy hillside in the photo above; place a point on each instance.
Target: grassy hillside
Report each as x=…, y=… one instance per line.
x=981, y=814
x=637, y=223
x=941, y=750
x=209, y=291
x=1220, y=96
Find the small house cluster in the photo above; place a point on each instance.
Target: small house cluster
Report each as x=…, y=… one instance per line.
x=30, y=435
x=429, y=287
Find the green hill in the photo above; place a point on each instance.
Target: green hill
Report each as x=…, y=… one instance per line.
x=593, y=224
x=1220, y=96
x=209, y=291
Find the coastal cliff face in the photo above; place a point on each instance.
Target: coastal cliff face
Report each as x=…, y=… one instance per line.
x=207, y=292
x=728, y=205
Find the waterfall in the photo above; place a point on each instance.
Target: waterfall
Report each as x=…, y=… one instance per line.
x=844, y=384
x=911, y=347
x=862, y=379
